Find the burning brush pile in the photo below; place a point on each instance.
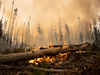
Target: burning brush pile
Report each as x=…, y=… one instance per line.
x=82, y=59
x=51, y=58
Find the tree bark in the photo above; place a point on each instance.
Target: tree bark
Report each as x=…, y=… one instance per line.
x=10, y=58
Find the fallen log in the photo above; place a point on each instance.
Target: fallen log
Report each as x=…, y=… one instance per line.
x=10, y=58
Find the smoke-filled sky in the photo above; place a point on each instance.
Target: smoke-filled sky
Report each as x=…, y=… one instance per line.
x=48, y=12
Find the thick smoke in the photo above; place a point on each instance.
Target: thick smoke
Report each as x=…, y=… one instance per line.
x=47, y=12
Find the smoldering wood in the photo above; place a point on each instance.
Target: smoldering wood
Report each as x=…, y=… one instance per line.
x=41, y=48
x=10, y=58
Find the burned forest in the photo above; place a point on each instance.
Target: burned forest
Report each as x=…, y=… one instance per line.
x=49, y=37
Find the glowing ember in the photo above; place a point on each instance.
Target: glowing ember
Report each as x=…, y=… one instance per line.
x=31, y=61
x=36, y=63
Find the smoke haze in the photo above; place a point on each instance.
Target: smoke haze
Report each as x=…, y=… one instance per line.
x=48, y=12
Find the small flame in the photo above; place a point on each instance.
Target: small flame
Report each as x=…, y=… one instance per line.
x=34, y=49
x=31, y=61
x=51, y=45
x=65, y=44
x=36, y=63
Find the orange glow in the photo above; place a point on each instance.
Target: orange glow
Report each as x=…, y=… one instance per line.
x=51, y=45
x=50, y=58
x=63, y=56
x=65, y=44
x=37, y=49
x=34, y=49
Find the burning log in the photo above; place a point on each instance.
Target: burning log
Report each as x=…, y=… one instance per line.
x=10, y=58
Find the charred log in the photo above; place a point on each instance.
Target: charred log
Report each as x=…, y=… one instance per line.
x=56, y=46
x=41, y=48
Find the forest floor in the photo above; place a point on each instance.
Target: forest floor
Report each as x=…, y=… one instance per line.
x=77, y=63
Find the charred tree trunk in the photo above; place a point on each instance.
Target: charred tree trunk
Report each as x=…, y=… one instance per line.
x=1, y=32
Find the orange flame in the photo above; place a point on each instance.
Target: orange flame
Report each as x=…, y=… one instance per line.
x=51, y=45
x=34, y=49
x=50, y=58
x=65, y=44
x=63, y=56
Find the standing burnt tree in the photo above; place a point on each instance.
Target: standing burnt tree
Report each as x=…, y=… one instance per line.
x=75, y=33
x=60, y=33
x=4, y=31
x=27, y=34
x=15, y=34
x=95, y=31
x=12, y=27
x=9, y=27
x=40, y=34
x=81, y=37
x=16, y=38
x=51, y=37
x=99, y=28
x=95, y=34
x=55, y=36
x=1, y=33
x=67, y=34
x=50, y=34
x=90, y=31
x=22, y=41
x=80, y=31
